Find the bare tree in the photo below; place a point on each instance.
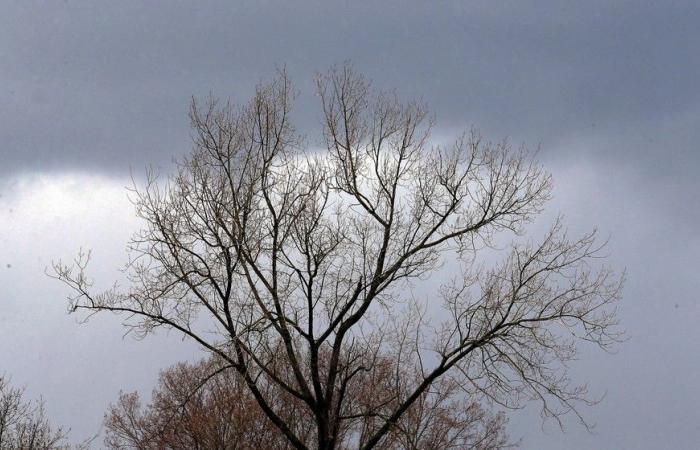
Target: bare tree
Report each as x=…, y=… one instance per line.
x=270, y=254
x=201, y=406
x=23, y=425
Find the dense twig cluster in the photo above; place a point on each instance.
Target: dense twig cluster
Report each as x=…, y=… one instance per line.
x=23, y=424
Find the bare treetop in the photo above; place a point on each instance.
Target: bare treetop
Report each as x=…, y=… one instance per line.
x=24, y=425
x=298, y=267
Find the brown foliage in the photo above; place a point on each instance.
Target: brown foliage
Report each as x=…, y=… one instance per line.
x=198, y=406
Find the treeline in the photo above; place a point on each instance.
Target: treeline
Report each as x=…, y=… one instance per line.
x=206, y=405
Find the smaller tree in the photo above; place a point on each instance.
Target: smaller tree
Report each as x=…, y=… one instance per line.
x=207, y=405
x=23, y=425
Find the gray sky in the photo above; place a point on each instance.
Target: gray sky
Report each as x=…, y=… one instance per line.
x=608, y=89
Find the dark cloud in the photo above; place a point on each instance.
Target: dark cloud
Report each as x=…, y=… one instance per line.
x=104, y=85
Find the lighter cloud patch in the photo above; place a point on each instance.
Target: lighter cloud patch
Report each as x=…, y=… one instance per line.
x=78, y=369
x=51, y=215
x=63, y=194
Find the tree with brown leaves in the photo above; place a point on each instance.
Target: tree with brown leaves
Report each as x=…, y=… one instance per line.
x=299, y=266
x=199, y=406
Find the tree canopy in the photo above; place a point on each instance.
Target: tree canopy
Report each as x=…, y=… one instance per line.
x=296, y=265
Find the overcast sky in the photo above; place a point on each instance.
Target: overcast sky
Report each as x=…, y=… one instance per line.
x=608, y=90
